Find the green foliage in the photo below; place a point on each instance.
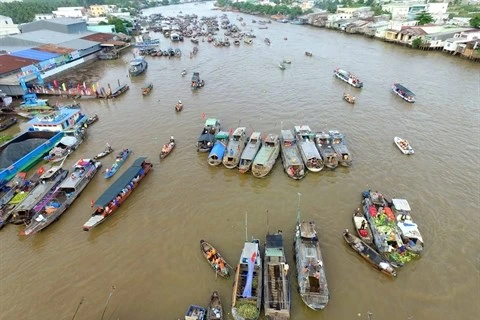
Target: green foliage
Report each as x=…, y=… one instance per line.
x=120, y=25
x=165, y=2
x=22, y=12
x=424, y=18
x=417, y=43
x=5, y=138
x=247, y=310
x=475, y=21
x=283, y=9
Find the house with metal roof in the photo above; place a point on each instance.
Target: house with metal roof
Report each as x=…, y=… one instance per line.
x=34, y=54
x=63, y=25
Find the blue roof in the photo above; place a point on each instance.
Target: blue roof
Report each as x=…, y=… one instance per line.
x=34, y=54
x=55, y=118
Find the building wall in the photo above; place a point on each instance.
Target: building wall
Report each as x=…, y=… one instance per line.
x=109, y=28
x=7, y=26
x=78, y=27
x=97, y=10
x=70, y=12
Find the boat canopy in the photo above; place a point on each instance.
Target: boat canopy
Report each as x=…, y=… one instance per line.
x=206, y=137
x=405, y=90
x=222, y=135
x=120, y=183
x=68, y=141
x=287, y=135
x=401, y=205
x=211, y=122
x=274, y=245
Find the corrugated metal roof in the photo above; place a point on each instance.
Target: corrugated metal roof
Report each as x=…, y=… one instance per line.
x=34, y=54
x=54, y=49
x=79, y=44
x=10, y=63
x=99, y=37
x=46, y=36
x=65, y=21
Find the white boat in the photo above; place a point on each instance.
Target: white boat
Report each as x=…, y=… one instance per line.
x=309, y=152
x=403, y=145
x=267, y=156
x=235, y=148
x=409, y=231
x=63, y=148
x=250, y=151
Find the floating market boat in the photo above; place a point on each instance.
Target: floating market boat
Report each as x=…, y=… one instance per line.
x=67, y=192
x=217, y=153
x=266, y=156
x=179, y=106
x=38, y=198
x=340, y=147
x=324, y=145
x=349, y=98
x=167, y=148
x=247, y=288
x=109, y=94
x=147, y=88
x=195, y=312
x=411, y=236
x=119, y=161
x=235, y=148
x=308, y=54
x=277, y=287
x=215, y=309
x=251, y=149
x=369, y=254
x=63, y=148
x=282, y=66
x=291, y=159
x=306, y=145
x=403, y=92
x=7, y=124
x=362, y=228
x=137, y=66
x=207, y=137
x=118, y=192
x=215, y=259
x=91, y=120
x=348, y=77
x=196, y=81
x=311, y=277
x=403, y=145
x=108, y=149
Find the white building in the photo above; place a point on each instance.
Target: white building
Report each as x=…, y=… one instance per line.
x=460, y=38
x=44, y=16
x=398, y=24
x=7, y=27
x=93, y=21
x=408, y=11
x=70, y=12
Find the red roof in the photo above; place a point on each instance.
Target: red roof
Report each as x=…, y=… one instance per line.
x=54, y=49
x=99, y=37
x=10, y=63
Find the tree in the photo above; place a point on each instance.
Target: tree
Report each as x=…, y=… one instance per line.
x=165, y=3
x=417, y=43
x=424, y=18
x=475, y=21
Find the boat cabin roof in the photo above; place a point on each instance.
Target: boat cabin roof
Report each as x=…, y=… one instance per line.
x=54, y=118
x=222, y=135
x=256, y=136
x=302, y=130
x=287, y=135
x=401, y=205
x=239, y=131
x=211, y=122
x=322, y=135
x=120, y=183
x=307, y=230
x=68, y=141
x=248, y=249
x=274, y=245
x=271, y=138
x=50, y=173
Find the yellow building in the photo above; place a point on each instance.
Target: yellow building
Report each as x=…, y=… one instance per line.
x=97, y=10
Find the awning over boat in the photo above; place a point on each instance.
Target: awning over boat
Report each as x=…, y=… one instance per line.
x=206, y=137
x=405, y=90
x=211, y=122
x=401, y=205
x=120, y=183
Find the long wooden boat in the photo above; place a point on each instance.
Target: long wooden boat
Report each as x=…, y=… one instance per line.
x=119, y=161
x=362, y=227
x=403, y=92
x=215, y=259
x=248, y=285
x=179, y=106
x=276, y=302
x=348, y=77
x=291, y=159
x=108, y=149
x=207, y=137
x=38, y=198
x=195, y=312
x=340, y=147
x=235, y=148
x=118, y=192
x=167, y=148
x=215, y=309
x=250, y=151
x=217, y=153
x=83, y=172
x=369, y=254
x=349, y=98
x=411, y=236
x=146, y=89
x=403, y=145
x=323, y=141
x=7, y=124
x=309, y=152
x=91, y=120
x=267, y=156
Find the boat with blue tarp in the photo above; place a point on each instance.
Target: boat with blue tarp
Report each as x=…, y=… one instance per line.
x=207, y=137
x=217, y=153
x=119, y=161
x=118, y=192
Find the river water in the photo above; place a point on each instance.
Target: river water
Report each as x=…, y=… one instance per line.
x=150, y=249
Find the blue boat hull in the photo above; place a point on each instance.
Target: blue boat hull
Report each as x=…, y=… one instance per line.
x=215, y=156
x=31, y=157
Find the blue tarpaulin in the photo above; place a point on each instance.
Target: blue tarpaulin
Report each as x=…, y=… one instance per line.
x=34, y=54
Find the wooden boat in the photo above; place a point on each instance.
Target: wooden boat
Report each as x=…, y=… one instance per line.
x=195, y=312
x=119, y=161
x=207, y=137
x=323, y=141
x=282, y=66
x=308, y=54
x=362, y=228
x=109, y=94
x=349, y=98
x=184, y=73
x=348, y=77
x=179, y=106
x=340, y=147
x=287, y=61
x=91, y=120
x=137, y=66
x=236, y=42
x=403, y=92
x=248, y=40
x=63, y=148
x=118, y=192
x=251, y=149
x=386, y=235
x=215, y=309
x=215, y=259
x=108, y=149
x=38, y=198
x=291, y=159
x=167, y=148
x=369, y=254
x=217, y=153
x=147, y=88
x=247, y=288
x=403, y=145
x=196, y=81
x=308, y=150
x=235, y=148
x=411, y=236
x=7, y=124
x=267, y=156
x=267, y=41
x=277, y=287
x=311, y=277
x=83, y=172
